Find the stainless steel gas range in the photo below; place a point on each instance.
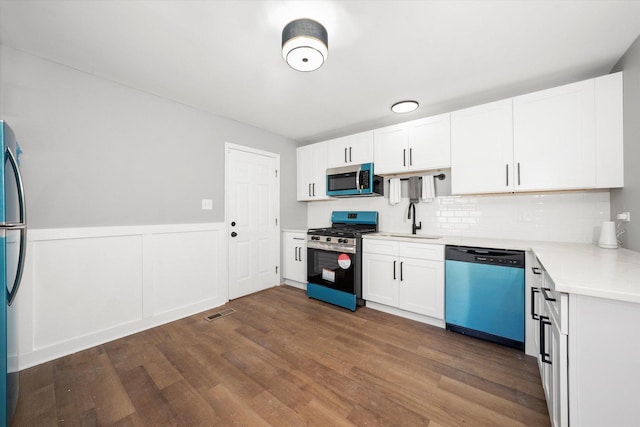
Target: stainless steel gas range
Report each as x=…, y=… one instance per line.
x=334, y=258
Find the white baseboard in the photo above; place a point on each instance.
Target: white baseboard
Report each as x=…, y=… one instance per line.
x=406, y=314
x=295, y=284
x=84, y=287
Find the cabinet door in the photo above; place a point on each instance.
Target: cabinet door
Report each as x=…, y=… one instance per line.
x=380, y=275
x=554, y=138
x=559, y=381
x=430, y=143
x=390, y=149
x=318, y=176
x=421, y=287
x=360, y=149
x=312, y=172
x=350, y=150
x=482, y=149
x=295, y=265
x=338, y=152
x=305, y=170
x=609, y=131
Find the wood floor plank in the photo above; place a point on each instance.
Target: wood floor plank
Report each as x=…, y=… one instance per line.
x=112, y=402
x=285, y=359
x=150, y=403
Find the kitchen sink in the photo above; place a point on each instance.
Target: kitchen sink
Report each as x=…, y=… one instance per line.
x=412, y=236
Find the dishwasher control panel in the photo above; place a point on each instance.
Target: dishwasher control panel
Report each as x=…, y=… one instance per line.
x=502, y=257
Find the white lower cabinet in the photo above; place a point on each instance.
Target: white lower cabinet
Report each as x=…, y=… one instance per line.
x=553, y=357
x=295, y=256
x=404, y=275
x=588, y=354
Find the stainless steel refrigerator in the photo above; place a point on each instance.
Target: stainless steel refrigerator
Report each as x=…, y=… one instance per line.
x=13, y=239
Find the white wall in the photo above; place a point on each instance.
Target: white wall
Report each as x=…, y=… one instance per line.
x=627, y=199
x=97, y=153
x=85, y=286
x=563, y=216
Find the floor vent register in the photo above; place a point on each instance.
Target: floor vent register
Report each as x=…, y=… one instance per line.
x=219, y=314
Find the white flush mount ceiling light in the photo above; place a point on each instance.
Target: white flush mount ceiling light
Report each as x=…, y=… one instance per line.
x=304, y=44
x=404, y=106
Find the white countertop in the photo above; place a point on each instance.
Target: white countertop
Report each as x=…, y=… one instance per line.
x=293, y=230
x=575, y=268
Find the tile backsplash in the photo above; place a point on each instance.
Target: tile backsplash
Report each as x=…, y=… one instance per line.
x=573, y=216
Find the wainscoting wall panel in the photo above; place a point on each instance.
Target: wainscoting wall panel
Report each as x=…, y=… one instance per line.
x=86, y=286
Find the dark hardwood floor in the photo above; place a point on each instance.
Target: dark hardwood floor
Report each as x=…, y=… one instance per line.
x=283, y=359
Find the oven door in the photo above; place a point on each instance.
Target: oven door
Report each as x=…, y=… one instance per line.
x=334, y=269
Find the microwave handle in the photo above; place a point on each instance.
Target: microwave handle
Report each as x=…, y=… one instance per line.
x=358, y=178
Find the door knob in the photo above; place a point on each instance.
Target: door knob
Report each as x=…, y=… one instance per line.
x=234, y=234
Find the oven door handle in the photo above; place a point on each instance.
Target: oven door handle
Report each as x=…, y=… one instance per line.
x=320, y=246
x=358, y=178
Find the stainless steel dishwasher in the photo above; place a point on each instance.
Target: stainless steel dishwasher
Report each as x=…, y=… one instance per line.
x=485, y=294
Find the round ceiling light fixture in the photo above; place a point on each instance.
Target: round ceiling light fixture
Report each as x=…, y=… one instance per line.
x=404, y=106
x=304, y=44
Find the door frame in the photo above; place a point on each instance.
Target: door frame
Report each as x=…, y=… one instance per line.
x=236, y=147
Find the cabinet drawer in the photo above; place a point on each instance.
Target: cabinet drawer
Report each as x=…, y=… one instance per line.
x=557, y=304
x=383, y=247
x=423, y=251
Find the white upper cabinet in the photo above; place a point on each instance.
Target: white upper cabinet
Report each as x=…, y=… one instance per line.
x=390, y=145
x=350, y=150
x=554, y=138
x=609, y=131
x=312, y=172
x=417, y=145
x=569, y=137
x=482, y=149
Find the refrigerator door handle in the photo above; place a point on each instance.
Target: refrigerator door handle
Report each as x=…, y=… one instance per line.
x=22, y=226
x=11, y=295
x=16, y=172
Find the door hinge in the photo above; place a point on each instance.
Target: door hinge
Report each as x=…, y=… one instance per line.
x=276, y=173
x=276, y=269
x=276, y=221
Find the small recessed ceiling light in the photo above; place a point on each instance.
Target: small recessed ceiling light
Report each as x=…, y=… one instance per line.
x=404, y=106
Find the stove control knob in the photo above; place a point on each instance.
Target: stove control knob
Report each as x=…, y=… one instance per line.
x=315, y=238
x=342, y=240
x=328, y=239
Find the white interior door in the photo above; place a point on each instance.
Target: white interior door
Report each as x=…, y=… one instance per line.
x=252, y=216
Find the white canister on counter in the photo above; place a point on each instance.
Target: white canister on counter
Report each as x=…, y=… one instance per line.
x=608, y=238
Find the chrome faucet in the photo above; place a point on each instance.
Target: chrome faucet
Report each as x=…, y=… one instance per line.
x=414, y=227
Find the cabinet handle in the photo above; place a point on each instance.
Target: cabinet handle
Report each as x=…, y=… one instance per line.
x=394, y=270
x=314, y=189
x=534, y=315
x=536, y=270
x=404, y=157
x=345, y=154
x=401, y=279
x=544, y=356
x=300, y=254
x=296, y=253
x=309, y=190
x=545, y=295
x=350, y=155
x=507, y=174
x=410, y=156
x=518, y=173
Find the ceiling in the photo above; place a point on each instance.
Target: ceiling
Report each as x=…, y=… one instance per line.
x=224, y=56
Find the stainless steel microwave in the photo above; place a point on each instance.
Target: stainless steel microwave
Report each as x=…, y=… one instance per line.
x=355, y=180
